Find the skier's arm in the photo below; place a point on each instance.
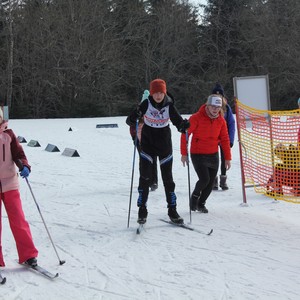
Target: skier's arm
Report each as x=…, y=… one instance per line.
x=17, y=151
x=181, y=124
x=230, y=125
x=137, y=113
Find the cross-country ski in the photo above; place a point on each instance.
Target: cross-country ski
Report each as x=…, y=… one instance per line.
x=42, y=271
x=188, y=227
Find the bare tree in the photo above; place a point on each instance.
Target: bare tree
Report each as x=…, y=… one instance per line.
x=95, y=58
x=277, y=49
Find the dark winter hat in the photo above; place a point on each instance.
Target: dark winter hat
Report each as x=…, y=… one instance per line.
x=158, y=86
x=218, y=89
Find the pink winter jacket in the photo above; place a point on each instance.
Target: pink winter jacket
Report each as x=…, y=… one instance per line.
x=11, y=152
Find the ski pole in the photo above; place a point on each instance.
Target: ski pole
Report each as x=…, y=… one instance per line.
x=61, y=262
x=132, y=173
x=188, y=168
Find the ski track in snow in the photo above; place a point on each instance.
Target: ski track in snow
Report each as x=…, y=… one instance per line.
x=253, y=252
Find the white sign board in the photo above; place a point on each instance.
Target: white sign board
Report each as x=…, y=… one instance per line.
x=253, y=91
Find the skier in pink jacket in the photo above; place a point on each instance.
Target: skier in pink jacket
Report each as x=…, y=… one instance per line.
x=12, y=154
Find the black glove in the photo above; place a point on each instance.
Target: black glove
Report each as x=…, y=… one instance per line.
x=134, y=116
x=231, y=145
x=184, y=125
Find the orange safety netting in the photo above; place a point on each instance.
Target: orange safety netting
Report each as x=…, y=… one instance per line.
x=270, y=151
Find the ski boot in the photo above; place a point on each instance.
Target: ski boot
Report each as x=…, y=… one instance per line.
x=32, y=262
x=223, y=184
x=143, y=213
x=194, y=202
x=174, y=216
x=202, y=209
x=215, y=186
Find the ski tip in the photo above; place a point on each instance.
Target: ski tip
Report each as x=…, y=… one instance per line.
x=210, y=232
x=3, y=280
x=51, y=276
x=61, y=262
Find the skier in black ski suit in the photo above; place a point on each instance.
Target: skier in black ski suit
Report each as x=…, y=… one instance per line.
x=156, y=141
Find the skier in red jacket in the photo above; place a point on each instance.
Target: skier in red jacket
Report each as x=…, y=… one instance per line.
x=209, y=129
x=11, y=154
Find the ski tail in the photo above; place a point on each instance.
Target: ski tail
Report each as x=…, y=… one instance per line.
x=2, y=279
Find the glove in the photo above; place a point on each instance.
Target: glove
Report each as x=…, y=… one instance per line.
x=25, y=172
x=231, y=145
x=184, y=125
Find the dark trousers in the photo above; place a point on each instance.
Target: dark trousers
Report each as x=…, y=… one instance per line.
x=153, y=179
x=223, y=168
x=206, y=167
x=146, y=171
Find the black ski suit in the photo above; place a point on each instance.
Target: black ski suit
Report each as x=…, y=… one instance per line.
x=156, y=142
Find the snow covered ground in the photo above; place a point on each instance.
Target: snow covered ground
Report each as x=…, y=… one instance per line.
x=253, y=252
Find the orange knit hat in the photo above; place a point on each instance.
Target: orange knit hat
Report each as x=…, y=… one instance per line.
x=158, y=85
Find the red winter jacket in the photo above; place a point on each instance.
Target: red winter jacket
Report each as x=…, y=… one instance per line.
x=207, y=135
x=11, y=152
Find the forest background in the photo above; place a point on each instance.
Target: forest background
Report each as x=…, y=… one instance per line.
x=94, y=58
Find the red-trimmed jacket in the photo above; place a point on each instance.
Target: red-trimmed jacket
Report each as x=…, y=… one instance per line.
x=207, y=135
x=11, y=152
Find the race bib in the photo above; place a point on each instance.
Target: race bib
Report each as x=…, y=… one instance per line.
x=157, y=118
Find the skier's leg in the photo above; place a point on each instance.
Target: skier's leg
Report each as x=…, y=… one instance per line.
x=19, y=226
x=2, y=264
x=166, y=164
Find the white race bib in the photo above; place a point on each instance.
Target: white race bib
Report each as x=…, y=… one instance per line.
x=157, y=118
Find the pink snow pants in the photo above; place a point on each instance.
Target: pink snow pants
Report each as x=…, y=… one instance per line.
x=19, y=227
